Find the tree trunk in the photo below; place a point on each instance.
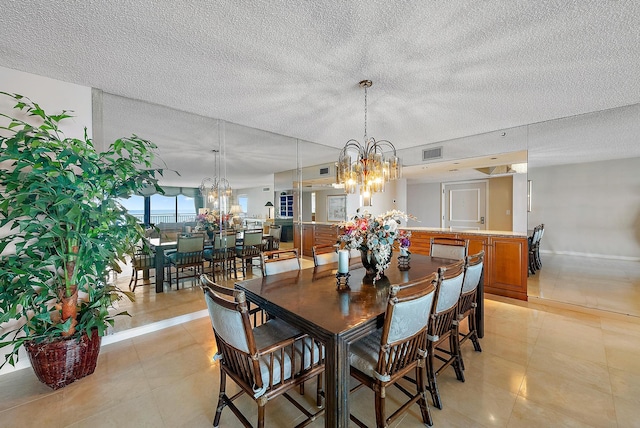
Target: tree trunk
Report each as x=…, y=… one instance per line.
x=70, y=310
x=69, y=299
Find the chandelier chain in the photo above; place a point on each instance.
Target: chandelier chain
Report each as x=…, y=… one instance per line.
x=365, y=115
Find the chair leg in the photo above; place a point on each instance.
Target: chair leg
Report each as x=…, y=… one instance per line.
x=537, y=258
x=319, y=391
x=235, y=268
x=221, y=399
x=532, y=263
x=380, y=419
x=474, y=330
x=135, y=280
x=422, y=401
x=454, y=346
x=431, y=378
x=132, y=276
x=260, y=414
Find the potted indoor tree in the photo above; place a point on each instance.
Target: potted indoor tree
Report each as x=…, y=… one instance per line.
x=62, y=232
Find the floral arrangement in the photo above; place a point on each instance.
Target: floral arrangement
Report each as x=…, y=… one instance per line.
x=376, y=235
x=404, y=241
x=207, y=221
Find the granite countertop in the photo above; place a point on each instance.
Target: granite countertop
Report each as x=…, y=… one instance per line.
x=467, y=232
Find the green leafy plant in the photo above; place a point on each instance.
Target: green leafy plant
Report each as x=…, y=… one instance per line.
x=64, y=228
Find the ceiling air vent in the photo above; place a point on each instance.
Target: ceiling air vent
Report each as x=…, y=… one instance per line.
x=324, y=171
x=434, y=153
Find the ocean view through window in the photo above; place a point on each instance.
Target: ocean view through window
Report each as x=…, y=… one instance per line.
x=164, y=209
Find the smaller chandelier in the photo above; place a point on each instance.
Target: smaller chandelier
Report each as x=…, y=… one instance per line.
x=216, y=187
x=213, y=188
x=369, y=169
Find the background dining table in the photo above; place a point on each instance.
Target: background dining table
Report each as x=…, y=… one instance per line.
x=309, y=300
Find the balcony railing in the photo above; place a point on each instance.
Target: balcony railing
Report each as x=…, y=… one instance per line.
x=167, y=218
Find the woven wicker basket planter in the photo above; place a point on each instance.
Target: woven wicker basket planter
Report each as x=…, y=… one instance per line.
x=62, y=362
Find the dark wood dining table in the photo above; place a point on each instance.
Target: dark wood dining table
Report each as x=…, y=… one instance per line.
x=158, y=247
x=309, y=300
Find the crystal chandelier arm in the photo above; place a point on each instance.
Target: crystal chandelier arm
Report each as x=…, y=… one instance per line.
x=351, y=144
x=378, y=146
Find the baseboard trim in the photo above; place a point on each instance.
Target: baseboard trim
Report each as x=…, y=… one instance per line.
x=119, y=336
x=597, y=256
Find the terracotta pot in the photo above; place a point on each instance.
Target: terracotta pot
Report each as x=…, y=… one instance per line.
x=61, y=362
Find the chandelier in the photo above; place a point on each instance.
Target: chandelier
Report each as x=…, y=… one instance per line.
x=213, y=188
x=369, y=169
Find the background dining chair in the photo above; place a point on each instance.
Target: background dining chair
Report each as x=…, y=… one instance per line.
x=324, y=254
x=265, y=361
x=188, y=255
x=275, y=232
x=222, y=254
x=442, y=328
x=468, y=301
x=249, y=248
x=381, y=359
x=533, y=242
x=279, y=261
x=142, y=258
x=449, y=248
x=536, y=249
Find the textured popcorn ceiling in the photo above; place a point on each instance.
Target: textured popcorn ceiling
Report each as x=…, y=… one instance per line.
x=441, y=71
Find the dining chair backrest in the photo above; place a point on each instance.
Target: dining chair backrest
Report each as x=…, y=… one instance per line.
x=279, y=261
x=449, y=248
x=275, y=231
x=536, y=235
x=408, y=310
x=324, y=254
x=473, y=272
x=230, y=240
x=253, y=238
x=450, y=280
x=190, y=244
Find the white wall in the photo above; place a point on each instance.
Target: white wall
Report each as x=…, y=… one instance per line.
x=519, y=210
x=393, y=198
x=423, y=201
x=590, y=209
x=256, y=198
x=53, y=96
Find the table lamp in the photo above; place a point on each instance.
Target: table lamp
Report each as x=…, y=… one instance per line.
x=269, y=205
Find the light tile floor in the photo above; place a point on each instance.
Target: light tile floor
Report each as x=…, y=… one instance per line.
x=541, y=365
x=608, y=285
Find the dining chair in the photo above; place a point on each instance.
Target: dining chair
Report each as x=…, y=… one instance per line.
x=188, y=255
x=275, y=232
x=442, y=328
x=449, y=248
x=533, y=242
x=324, y=254
x=468, y=302
x=536, y=250
x=222, y=254
x=381, y=359
x=265, y=362
x=279, y=261
x=142, y=258
x=249, y=248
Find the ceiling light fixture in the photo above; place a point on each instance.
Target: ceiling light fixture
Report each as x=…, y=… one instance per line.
x=213, y=188
x=370, y=170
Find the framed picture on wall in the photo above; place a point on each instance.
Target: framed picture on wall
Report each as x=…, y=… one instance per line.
x=336, y=207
